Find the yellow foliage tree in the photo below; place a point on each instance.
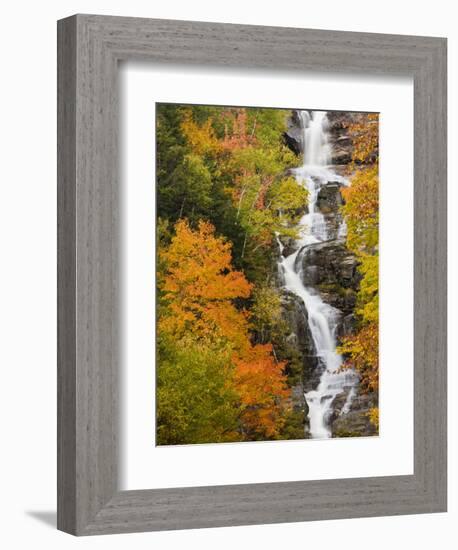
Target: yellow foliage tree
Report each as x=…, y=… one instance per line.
x=361, y=212
x=201, y=138
x=364, y=136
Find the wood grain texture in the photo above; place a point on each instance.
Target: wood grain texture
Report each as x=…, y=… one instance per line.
x=66, y=275
x=90, y=48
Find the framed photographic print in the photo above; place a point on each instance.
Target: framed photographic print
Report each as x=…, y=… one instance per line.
x=252, y=275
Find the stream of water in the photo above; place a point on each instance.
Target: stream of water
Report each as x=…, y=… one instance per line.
x=322, y=318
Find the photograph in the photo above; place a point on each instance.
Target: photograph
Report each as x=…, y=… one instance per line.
x=267, y=274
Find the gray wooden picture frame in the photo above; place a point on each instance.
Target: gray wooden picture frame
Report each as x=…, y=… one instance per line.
x=89, y=49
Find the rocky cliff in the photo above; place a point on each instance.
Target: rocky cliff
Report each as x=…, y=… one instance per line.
x=331, y=270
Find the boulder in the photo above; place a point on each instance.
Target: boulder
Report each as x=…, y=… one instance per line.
x=329, y=198
x=333, y=264
x=356, y=422
x=331, y=269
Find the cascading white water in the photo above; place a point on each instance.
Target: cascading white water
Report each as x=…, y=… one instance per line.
x=322, y=318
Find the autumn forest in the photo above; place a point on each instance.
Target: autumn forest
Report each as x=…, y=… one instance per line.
x=267, y=274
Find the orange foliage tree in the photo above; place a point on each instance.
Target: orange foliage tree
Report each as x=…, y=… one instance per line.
x=264, y=395
x=199, y=291
x=200, y=285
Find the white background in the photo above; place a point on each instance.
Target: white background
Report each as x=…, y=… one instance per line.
x=28, y=281
x=389, y=454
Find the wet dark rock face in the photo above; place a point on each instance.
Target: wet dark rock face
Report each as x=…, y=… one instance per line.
x=339, y=136
x=332, y=269
x=296, y=317
x=293, y=134
x=300, y=340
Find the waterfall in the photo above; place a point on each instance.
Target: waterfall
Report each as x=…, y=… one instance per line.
x=322, y=319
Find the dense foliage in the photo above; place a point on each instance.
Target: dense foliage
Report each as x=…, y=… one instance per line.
x=223, y=195
x=225, y=364
x=361, y=213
